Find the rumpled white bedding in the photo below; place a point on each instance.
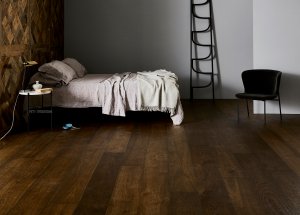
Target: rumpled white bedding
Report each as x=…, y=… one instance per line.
x=113, y=95
x=116, y=94
x=158, y=91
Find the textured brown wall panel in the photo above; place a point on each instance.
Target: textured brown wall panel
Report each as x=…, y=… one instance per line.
x=29, y=28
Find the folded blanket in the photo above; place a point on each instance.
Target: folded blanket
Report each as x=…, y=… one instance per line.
x=158, y=91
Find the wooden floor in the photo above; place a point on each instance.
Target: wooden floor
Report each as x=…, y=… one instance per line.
x=142, y=164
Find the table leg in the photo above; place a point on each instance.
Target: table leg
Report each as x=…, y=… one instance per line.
x=51, y=114
x=28, y=114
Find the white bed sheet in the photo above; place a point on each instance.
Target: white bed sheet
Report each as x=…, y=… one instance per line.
x=79, y=93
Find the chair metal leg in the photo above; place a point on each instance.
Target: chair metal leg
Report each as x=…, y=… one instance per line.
x=280, y=107
x=265, y=112
x=238, y=110
x=247, y=107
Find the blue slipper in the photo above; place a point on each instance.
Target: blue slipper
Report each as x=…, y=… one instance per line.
x=69, y=126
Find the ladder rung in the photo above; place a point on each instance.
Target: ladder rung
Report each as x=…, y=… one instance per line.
x=202, y=58
x=203, y=73
x=201, y=17
x=203, y=86
x=200, y=44
x=203, y=31
x=197, y=71
x=194, y=12
x=200, y=4
x=207, y=58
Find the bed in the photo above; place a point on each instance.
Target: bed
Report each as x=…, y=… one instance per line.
x=114, y=93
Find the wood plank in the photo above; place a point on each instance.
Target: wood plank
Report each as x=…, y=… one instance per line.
x=138, y=145
x=13, y=50
x=118, y=143
x=18, y=175
x=97, y=195
x=181, y=172
x=285, y=152
x=185, y=203
x=12, y=144
x=50, y=175
x=126, y=194
x=270, y=196
x=155, y=196
x=71, y=190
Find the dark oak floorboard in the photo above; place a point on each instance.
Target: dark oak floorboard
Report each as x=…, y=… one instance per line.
x=142, y=164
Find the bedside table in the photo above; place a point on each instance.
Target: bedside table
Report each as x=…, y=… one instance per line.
x=41, y=108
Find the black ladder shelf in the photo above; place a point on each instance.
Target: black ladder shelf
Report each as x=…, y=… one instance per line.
x=201, y=38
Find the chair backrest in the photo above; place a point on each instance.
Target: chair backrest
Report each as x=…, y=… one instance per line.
x=261, y=81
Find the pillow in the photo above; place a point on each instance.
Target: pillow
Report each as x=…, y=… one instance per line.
x=78, y=67
x=58, y=71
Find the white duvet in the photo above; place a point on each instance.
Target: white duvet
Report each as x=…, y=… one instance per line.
x=118, y=93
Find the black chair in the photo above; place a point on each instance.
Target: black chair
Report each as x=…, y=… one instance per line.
x=262, y=85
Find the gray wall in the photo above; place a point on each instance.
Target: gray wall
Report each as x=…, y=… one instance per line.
x=277, y=46
x=134, y=35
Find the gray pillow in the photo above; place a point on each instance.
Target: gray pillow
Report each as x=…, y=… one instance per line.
x=58, y=71
x=78, y=67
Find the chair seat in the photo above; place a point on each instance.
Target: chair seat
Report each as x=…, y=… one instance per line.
x=252, y=96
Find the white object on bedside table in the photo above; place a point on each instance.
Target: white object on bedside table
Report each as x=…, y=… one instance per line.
x=37, y=86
